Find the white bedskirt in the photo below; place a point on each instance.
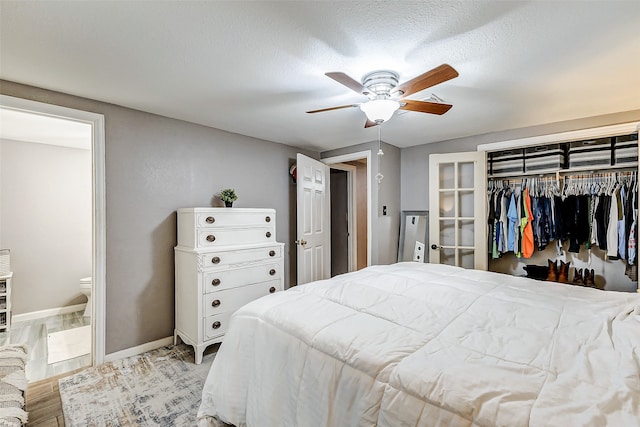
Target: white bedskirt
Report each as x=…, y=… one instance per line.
x=414, y=344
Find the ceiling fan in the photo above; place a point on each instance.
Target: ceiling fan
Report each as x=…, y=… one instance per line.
x=386, y=94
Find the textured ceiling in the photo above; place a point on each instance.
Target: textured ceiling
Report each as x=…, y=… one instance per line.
x=254, y=68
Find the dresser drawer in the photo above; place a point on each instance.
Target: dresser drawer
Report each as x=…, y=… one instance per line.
x=226, y=258
x=215, y=281
x=233, y=299
x=234, y=218
x=235, y=236
x=216, y=325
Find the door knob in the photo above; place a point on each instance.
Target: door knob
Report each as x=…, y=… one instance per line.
x=434, y=246
x=301, y=242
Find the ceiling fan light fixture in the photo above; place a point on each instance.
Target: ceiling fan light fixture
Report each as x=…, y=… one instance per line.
x=380, y=110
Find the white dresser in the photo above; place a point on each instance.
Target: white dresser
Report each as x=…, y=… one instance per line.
x=225, y=258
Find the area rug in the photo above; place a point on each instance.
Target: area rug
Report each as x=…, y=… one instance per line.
x=68, y=344
x=162, y=387
x=13, y=383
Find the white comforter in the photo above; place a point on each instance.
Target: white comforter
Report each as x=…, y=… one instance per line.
x=429, y=345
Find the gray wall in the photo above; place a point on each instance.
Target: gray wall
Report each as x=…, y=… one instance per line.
x=45, y=220
x=155, y=165
x=385, y=229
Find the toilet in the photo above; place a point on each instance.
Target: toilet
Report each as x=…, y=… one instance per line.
x=85, y=288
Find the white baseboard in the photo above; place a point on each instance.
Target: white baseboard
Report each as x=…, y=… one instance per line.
x=46, y=313
x=134, y=351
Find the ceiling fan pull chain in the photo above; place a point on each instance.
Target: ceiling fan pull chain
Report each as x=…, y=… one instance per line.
x=379, y=175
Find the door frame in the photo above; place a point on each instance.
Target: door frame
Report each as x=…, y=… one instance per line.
x=350, y=158
x=352, y=221
x=98, y=291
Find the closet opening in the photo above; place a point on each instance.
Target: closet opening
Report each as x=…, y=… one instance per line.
x=566, y=211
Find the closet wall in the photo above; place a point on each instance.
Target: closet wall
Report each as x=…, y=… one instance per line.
x=564, y=170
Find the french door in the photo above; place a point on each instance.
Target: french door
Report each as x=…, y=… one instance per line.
x=457, y=209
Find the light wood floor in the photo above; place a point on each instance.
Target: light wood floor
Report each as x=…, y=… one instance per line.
x=43, y=402
x=34, y=333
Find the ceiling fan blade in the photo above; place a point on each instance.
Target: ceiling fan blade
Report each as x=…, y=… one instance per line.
x=332, y=108
x=352, y=84
x=370, y=123
x=431, y=78
x=425, y=107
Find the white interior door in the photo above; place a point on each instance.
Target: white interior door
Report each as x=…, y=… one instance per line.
x=313, y=220
x=457, y=209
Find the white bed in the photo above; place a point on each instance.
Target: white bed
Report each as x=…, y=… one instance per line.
x=414, y=344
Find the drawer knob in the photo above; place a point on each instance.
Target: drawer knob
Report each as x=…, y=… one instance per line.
x=268, y=219
x=272, y=290
x=215, y=303
x=272, y=253
x=215, y=282
x=210, y=220
x=272, y=272
x=211, y=238
x=215, y=260
x=216, y=325
x=268, y=234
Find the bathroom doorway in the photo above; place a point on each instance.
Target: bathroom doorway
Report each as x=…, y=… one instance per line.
x=355, y=236
x=52, y=220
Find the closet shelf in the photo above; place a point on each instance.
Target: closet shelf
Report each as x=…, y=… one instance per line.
x=569, y=171
x=521, y=174
x=599, y=168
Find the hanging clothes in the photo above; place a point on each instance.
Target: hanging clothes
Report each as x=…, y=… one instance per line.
x=491, y=217
x=512, y=218
x=612, y=226
x=622, y=236
x=589, y=211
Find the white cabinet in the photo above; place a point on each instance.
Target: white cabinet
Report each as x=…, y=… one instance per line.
x=225, y=258
x=5, y=301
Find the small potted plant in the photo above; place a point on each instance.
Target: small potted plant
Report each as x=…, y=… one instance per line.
x=228, y=196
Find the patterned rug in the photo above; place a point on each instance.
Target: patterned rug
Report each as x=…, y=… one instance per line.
x=162, y=387
x=13, y=383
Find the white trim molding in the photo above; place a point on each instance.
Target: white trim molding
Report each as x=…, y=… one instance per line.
x=575, y=135
x=139, y=349
x=40, y=314
x=99, y=256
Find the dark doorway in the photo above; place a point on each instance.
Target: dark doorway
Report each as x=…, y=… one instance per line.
x=339, y=222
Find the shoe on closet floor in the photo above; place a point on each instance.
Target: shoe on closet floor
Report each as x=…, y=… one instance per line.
x=578, y=278
x=563, y=272
x=552, y=271
x=590, y=279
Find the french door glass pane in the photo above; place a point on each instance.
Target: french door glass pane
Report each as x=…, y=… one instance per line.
x=447, y=232
x=448, y=256
x=466, y=258
x=465, y=204
x=465, y=232
x=447, y=204
x=447, y=173
x=465, y=174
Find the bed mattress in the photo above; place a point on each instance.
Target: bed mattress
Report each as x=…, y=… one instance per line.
x=415, y=344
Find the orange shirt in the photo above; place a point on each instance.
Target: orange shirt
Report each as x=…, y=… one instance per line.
x=528, y=244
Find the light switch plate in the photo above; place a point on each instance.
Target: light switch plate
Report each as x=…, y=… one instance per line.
x=418, y=252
